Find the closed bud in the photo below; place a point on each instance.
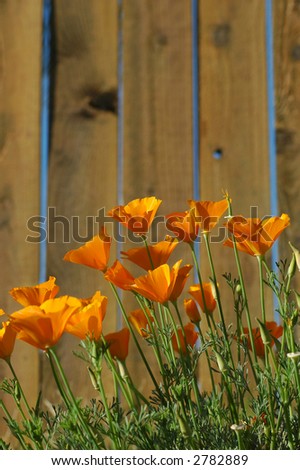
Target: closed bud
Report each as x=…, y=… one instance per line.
x=264, y=333
x=220, y=361
x=292, y=267
x=238, y=288
x=295, y=356
x=297, y=295
x=296, y=253
x=17, y=392
x=183, y=425
x=93, y=378
x=122, y=370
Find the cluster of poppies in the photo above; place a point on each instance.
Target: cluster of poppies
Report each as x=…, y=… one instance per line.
x=44, y=316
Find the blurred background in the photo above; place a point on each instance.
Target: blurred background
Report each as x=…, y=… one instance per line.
x=104, y=101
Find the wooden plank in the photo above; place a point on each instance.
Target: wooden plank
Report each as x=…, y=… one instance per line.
x=20, y=66
x=287, y=81
x=158, y=118
x=83, y=155
x=234, y=124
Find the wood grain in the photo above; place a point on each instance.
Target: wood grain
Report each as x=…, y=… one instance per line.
x=287, y=80
x=83, y=158
x=157, y=117
x=233, y=114
x=20, y=66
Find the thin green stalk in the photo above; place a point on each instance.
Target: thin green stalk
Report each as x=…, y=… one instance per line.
x=196, y=264
x=20, y=387
x=129, y=326
x=218, y=297
x=148, y=251
x=261, y=289
x=62, y=392
x=51, y=352
x=156, y=348
x=284, y=398
x=244, y=293
x=115, y=439
x=207, y=358
x=11, y=420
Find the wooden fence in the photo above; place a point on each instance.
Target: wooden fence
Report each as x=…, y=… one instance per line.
x=146, y=99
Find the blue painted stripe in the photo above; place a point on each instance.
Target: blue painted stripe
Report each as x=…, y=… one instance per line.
x=120, y=156
x=195, y=110
x=272, y=126
x=195, y=97
x=45, y=131
x=120, y=180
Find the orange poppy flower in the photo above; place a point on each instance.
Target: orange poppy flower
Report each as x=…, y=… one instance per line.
x=274, y=330
x=188, y=339
x=96, y=297
x=88, y=320
x=160, y=253
x=140, y=322
x=183, y=225
x=119, y=276
x=42, y=326
x=7, y=340
x=191, y=310
x=35, y=295
x=208, y=213
x=137, y=215
x=158, y=284
x=94, y=254
x=118, y=344
x=255, y=236
x=209, y=299
x=183, y=274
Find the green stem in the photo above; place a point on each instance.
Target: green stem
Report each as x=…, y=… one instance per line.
x=10, y=421
x=207, y=359
x=156, y=348
x=261, y=289
x=51, y=352
x=218, y=298
x=245, y=297
x=20, y=387
x=129, y=326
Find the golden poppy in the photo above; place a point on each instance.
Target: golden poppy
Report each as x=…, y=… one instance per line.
x=137, y=215
x=35, y=295
x=42, y=326
x=181, y=278
x=87, y=321
x=158, y=284
x=118, y=344
x=96, y=297
x=274, y=330
x=192, y=310
x=139, y=320
x=94, y=253
x=118, y=275
x=208, y=213
x=159, y=253
x=183, y=225
x=209, y=300
x=188, y=339
x=7, y=340
x=255, y=236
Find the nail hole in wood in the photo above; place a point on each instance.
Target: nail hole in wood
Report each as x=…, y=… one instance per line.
x=218, y=154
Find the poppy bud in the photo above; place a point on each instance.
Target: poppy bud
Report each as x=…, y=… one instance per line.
x=220, y=361
x=264, y=333
x=296, y=253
